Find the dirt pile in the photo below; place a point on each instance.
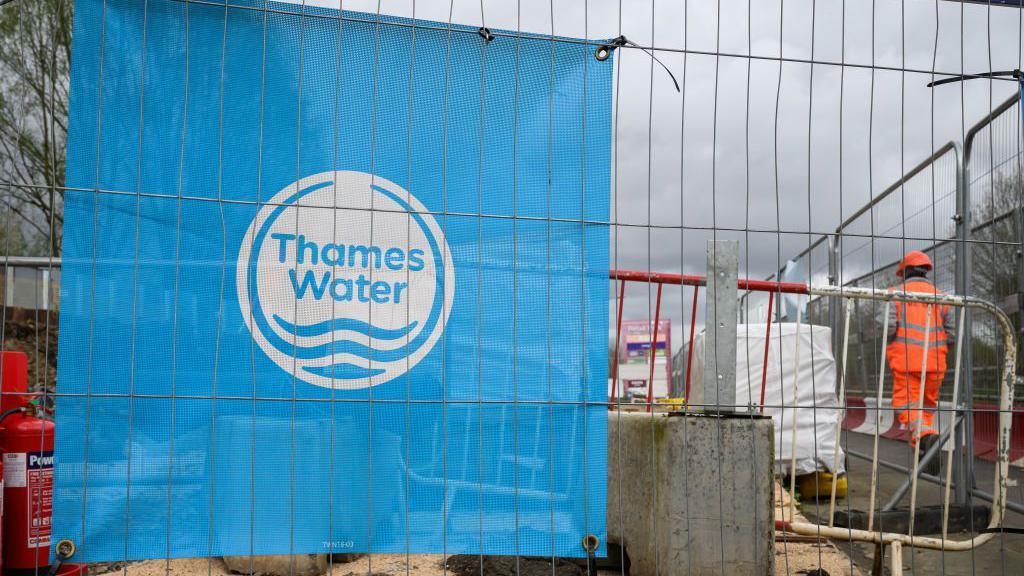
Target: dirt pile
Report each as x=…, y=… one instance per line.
x=466, y=565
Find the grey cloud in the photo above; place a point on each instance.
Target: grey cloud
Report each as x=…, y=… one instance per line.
x=777, y=152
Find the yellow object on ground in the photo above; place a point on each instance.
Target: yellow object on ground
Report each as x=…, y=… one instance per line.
x=819, y=484
x=673, y=403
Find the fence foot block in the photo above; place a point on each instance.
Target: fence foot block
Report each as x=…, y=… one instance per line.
x=692, y=494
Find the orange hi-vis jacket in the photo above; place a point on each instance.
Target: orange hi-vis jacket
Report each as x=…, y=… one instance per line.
x=906, y=343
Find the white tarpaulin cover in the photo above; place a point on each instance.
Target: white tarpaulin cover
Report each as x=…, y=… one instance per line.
x=805, y=394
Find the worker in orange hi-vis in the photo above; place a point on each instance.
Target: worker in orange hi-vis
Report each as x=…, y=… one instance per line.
x=909, y=329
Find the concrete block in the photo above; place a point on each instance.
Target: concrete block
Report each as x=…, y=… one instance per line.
x=691, y=494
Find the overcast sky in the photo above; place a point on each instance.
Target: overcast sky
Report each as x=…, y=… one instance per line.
x=753, y=146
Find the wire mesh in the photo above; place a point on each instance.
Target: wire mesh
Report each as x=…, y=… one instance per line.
x=767, y=123
x=915, y=213
x=993, y=170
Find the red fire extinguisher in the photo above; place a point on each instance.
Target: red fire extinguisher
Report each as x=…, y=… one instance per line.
x=13, y=371
x=27, y=445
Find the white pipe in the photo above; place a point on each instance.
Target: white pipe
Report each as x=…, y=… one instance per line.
x=30, y=261
x=856, y=535
x=796, y=404
x=878, y=422
x=952, y=434
x=1001, y=480
x=842, y=414
x=897, y=559
x=916, y=422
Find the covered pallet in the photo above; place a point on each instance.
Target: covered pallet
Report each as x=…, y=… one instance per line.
x=801, y=394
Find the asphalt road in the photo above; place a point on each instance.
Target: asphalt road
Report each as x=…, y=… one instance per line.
x=1003, y=555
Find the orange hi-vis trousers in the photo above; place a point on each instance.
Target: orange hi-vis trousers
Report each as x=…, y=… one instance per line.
x=906, y=388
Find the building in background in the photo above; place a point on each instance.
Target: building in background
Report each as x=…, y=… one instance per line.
x=634, y=358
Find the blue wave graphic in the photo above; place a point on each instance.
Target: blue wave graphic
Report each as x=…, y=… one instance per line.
x=343, y=371
x=352, y=324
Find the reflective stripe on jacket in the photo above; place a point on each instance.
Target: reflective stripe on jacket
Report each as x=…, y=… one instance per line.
x=907, y=339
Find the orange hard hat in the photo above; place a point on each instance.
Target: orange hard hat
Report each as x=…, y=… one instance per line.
x=914, y=258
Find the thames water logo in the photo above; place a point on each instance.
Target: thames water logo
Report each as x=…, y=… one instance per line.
x=345, y=280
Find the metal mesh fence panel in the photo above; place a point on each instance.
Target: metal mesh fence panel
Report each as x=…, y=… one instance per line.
x=334, y=277
x=993, y=174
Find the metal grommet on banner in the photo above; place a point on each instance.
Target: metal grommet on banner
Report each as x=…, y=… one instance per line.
x=64, y=550
x=485, y=33
x=604, y=51
x=590, y=544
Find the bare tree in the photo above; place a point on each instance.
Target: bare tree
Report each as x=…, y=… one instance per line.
x=995, y=266
x=35, y=56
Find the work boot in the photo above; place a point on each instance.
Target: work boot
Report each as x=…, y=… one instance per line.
x=932, y=467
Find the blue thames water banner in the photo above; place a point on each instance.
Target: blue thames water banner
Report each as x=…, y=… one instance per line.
x=296, y=312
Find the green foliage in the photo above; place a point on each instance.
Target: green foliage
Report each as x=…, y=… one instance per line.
x=35, y=56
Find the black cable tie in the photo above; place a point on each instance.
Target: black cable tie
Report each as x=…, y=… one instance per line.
x=604, y=51
x=1015, y=74
x=485, y=33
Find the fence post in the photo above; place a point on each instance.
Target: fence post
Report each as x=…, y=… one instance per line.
x=1018, y=238
x=832, y=243
x=720, y=326
x=963, y=455
x=9, y=289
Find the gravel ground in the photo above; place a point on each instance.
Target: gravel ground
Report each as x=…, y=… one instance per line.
x=372, y=565
x=29, y=334
x=801, y=557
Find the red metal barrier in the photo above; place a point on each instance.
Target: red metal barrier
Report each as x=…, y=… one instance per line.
x=654, y=350
x=985, y=435
x=855, y=414
x=693, y=280
x=986, y=431
x=696, y=282
x=689, y=351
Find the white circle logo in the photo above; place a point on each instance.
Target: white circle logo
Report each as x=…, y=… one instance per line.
x=345, y=280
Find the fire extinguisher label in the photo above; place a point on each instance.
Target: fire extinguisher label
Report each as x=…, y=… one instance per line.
x=14, y=469
x=40, y=498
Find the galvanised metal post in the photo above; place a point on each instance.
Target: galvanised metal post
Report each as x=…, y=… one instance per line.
x=720, y=326
x=963, y=449
x=833, y=280
x=1018, y=237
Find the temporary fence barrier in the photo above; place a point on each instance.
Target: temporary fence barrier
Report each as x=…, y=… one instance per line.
x=1001, y=481
x=846, y=298
x=846, y=270
x=959, y=206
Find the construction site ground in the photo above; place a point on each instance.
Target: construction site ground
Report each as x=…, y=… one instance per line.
x=793, y=555
x=33, y=334
x=800, y=554
x=1004, y=554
